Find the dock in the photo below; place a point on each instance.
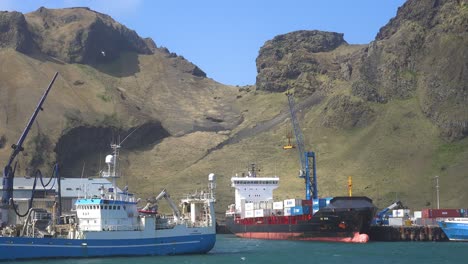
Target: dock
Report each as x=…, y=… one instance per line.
x=407, y=233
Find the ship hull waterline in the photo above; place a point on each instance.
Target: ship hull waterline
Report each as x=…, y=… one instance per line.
x=33, y=248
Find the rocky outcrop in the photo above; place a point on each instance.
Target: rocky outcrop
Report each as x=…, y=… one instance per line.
x=422, y=52
x=292, y=60
x=80, y=35
x=14, y=32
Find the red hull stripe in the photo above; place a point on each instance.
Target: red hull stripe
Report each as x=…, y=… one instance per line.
x=357, y=238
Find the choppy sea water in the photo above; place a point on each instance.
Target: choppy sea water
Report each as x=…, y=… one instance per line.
x=230, y=249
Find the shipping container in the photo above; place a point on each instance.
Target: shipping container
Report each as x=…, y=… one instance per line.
x=436, y=213
x=401, y=213
x=278, y=205
x=417, y=214
x=296, y=210
x=300, y=210
x=249, y=214
x=259, y=212
x=395, y=221
x=292, y=202
x=287, y=211
x=249, y=206
x=306, y=202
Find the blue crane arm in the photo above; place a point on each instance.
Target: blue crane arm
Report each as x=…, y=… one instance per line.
x=297, y=131
x=311, y=185
x=8, y=171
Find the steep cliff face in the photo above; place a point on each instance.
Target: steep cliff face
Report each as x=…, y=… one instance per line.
x=14, y=32
x=296, y=59
x=79, y=35
x=422, y=52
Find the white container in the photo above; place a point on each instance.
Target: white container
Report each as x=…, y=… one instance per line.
x=417, y=214
x=287, y=211
x=405, y=212
x=395, y=221
x=278, y=205
x=249, y=214
x=292, y=202
x=259, y=213
x=249, y=206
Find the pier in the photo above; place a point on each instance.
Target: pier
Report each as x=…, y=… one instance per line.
x=407, y=233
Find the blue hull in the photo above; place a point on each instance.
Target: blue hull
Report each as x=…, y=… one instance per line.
x=455, y=231
x=30, y=248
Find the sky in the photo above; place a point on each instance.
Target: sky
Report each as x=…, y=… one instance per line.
x=223, y=37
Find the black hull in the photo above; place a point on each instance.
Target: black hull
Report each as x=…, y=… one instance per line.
x=343, y=219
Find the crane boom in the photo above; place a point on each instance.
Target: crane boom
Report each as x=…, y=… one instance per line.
x=171, y=203
x=8, y=171
x=297, y=130
x=311, y=186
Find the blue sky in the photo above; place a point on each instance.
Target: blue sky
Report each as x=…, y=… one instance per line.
x=223, y=37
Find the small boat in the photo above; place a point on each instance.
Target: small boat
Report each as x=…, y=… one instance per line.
x=456, y=229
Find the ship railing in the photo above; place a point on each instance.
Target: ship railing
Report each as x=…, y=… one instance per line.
x=165, y=226
x=111, y=228
x=121, y=228
x=198, y=224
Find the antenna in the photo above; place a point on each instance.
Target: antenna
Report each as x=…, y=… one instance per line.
x=212, y=185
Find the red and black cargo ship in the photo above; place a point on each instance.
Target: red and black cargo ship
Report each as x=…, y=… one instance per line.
x=344, y=219
x=255, y=214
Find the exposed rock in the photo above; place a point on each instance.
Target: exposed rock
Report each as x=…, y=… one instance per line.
x=424, y=49
x=14, y=32
x=198, y=72
x=80, y=35
x=291, y=61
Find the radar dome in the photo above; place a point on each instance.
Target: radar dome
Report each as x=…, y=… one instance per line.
x=109, y=159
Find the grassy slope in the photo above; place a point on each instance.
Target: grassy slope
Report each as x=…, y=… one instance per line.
x=394, y=158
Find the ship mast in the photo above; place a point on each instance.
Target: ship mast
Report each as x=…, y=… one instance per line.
x=112, y=171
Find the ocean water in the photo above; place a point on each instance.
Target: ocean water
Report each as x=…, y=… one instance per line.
x=230, y=249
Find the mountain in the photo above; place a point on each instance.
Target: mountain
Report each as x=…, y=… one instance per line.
x=392, y=114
